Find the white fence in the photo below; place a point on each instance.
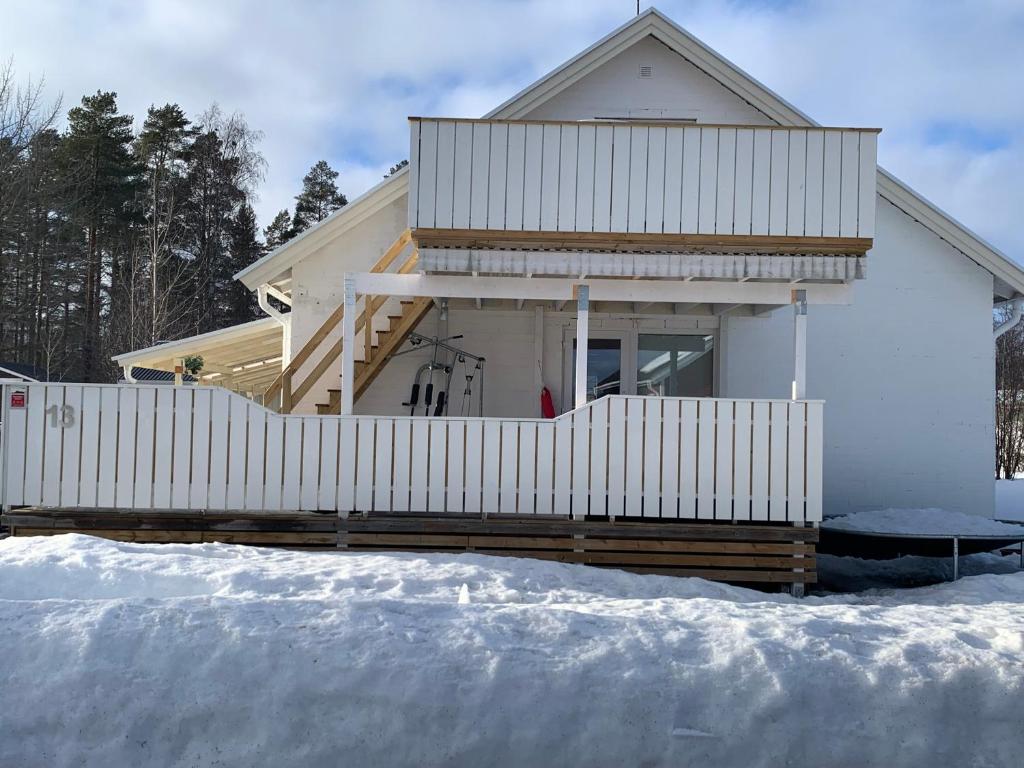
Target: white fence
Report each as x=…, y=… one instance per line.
x=197, y=448
x=636, y=178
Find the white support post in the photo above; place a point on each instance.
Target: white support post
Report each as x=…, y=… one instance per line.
x=582, y=331
x=348, y=346
x=538, y=348
x=286, y=341
x=799, y=345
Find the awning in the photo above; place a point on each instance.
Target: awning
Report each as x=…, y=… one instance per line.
x=728, y=266
x=244, y=357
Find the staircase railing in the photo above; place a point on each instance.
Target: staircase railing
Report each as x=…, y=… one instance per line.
x=285, y=385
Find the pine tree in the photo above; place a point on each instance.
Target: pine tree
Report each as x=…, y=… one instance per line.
x=100, y=162
x=163, y=149
x=243, y=248
x=319, y=197
x=213, y=200
x=278, y=232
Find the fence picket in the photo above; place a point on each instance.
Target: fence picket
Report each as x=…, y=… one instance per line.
x=53, y=446
x=181, y=473
x=545, y=467
x=71, y=454
x=634, y=456
x=199, y=487
x=144, y=435
x=438, y=465
x=310, y=463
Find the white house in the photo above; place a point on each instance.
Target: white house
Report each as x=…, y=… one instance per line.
x=811, y=335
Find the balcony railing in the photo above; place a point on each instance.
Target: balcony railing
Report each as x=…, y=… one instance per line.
x=716, y=184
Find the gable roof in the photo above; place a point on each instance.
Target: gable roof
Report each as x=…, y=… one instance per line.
x=22, y=371
x=1009, y=276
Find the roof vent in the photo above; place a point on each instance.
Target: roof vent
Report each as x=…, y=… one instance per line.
x=646, y=70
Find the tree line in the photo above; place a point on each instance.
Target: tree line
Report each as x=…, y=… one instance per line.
x=1009, y=399
x=116, y=235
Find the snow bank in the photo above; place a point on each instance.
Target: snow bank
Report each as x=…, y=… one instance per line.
x=911, y=522
x=202, y=655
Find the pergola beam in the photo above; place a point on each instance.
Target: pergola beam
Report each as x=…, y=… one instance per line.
x=561, y=289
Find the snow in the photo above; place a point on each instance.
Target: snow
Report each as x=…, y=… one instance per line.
x=932, y=522
x=1010, y=500
x=220, y=655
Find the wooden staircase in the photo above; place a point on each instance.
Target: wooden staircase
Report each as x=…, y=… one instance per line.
x=378, y=343
x=386, y=343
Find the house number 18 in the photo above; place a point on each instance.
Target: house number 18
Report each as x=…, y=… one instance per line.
x=62, y=416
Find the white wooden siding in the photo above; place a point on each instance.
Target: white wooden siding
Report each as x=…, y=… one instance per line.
x=201, y=448
x=658, y=178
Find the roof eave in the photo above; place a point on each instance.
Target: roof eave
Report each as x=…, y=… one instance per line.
x=276, y=264
x=262, y=325
x=959, y=236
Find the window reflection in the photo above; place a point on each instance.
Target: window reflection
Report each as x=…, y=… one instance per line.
x=675, y=366
x=604, y=367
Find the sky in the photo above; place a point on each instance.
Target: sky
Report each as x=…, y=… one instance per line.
x=336, y=80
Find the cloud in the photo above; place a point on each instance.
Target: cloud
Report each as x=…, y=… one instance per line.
x=337, y=80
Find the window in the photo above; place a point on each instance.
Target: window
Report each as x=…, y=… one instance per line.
x=630, y=362
x=604, y=367
x=675, y=365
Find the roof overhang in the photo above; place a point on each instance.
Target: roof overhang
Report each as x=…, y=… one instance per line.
x=275, y=267
x=246, y=356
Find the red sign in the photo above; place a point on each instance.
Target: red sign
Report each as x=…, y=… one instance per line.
x=18, y=398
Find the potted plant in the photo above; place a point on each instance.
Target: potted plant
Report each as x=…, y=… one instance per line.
x=193, y=364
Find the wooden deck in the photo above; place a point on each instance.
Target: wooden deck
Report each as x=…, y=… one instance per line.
x=746, y=554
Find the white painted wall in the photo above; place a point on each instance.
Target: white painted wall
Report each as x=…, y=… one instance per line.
x=677, y=90
x=317, y=286
x=907, y=372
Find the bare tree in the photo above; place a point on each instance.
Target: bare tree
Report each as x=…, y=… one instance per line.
x=1009, y=400
x=23, y=116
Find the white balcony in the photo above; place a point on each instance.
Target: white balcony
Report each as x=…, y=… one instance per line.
x=664, y=186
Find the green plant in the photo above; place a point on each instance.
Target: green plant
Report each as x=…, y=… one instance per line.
x=193, y=363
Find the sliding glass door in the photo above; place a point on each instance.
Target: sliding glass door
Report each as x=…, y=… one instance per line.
x=670, y=365
x=604, y=367
x=631, y=362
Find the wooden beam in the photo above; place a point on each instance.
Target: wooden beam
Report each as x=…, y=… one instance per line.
x=582, y=334
x=633, y=241
x=279, y=295
x=348, y=336
x=682, y=309
x=720, y=310
x=799, y=345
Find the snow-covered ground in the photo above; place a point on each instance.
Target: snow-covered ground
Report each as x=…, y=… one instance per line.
x=204, y=655
x=928, y=522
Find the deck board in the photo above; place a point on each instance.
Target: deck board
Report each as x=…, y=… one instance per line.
x=756, y=554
